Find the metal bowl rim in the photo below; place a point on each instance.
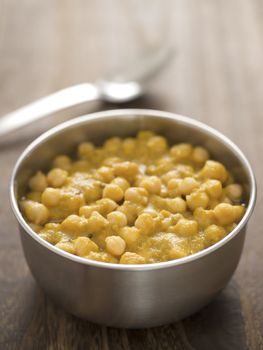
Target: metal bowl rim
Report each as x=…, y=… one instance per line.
x=136, y=113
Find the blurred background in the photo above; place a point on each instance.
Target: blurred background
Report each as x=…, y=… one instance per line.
x=48, y=45
x=215, y=76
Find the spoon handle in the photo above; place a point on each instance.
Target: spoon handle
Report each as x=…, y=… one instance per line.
x=58, y=101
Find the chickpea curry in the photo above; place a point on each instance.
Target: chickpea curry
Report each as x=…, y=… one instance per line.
x=134, y=201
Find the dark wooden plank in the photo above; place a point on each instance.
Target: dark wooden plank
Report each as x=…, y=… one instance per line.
x=216, y=77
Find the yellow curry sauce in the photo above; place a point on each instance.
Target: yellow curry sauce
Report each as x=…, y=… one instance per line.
x=134, y=201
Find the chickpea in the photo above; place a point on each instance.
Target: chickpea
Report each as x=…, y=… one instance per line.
x=105, y=174
x=200, y=155
x=176, y=205
x=214, y=170
x=166, y=224
x=157, y=144
x=121, y=182
x=113, y=192
x=213, y=188
x=86, y=150
x=138, y=178
x=137, y=195
x=204, y=217
x=171, y=175
x=52, y=233
x=234, y=191
x=198, y=243
x=225, y=199
x=71, y=200
x=34, y=196
x=36, y=213
x=84, y=245
x=36, y=228
x=130, y=234
x=213, y=203
x=145, y=135
x=110, y=161
x=152, y=184
x=226, y=214
x=197, y=200
x=75, y=225
x=106, y=206
x=177, y=252
x=132, y=258
x=231, y=227
x=175, y=218
x=115, y=245
x=129, y=146
x=187, y=185
x=131, y=211
x=57, y=177
x=185, y=170
x=230, y=179
x=117, y=218
x=165, y=160
x=113, y=145
x=128, y=170
x=173, y=186
x=178, y=173
x=47, y=236
x=181, y=151
x=52, y=226
x=186, y=227
x=151, y=169
x=80, y=166
x=87, y=210
x=165, y=213
x=92, y=191
x=62, y=162
x=51, y=197
x=98, y=157
x=145, y=223
x=158, y=202
x=96, y=222
x=164, y=165
x=38, y=182
x=214, y=233
x=164, y=192
x=151, y=211
x=67, y=247
x=102, y=256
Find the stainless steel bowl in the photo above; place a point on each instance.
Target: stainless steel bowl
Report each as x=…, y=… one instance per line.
x=133, y=296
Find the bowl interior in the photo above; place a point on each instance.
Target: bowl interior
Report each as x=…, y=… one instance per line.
x=99, y=126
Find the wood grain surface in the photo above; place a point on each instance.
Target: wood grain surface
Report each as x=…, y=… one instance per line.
x=217, y=77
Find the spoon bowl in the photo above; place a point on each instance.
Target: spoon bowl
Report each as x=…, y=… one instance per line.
x=119, y=92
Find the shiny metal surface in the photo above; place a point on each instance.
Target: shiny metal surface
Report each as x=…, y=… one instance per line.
x=122, y=86
x=132, y=296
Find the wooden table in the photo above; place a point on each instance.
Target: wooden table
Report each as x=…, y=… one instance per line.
x=217, y=77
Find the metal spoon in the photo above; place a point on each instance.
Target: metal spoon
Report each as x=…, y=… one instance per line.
x=122, y=87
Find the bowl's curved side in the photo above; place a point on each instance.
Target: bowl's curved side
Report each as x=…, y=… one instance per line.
x=132, y=299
